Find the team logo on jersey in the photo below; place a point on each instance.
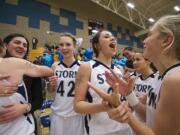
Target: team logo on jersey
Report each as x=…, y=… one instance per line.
x=152, y=98
x=66, y=74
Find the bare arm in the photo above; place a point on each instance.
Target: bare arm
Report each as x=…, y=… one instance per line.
x=81, y=87
x=140, y=108
x=167, y=116
x=33, y=70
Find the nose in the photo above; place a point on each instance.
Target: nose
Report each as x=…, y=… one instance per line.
x=113, y=38
x=63, y=47
x=144, y=41
x=22, y=45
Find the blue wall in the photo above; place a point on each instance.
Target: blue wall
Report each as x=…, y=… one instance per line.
x=37, y=11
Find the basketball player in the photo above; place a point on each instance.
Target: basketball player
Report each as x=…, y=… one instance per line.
x=19, y=67
x=64, y=120
x=162, y=48
x=144, y=85
x=104, y=45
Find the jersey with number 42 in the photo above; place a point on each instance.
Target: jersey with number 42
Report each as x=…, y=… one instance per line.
x=64, y=99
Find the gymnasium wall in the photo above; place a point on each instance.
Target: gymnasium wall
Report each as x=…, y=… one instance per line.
x=34, y=18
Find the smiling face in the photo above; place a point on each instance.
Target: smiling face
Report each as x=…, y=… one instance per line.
x=140, y=63
x=17, y=47
x=106, y=44
x=66, y=47
x=129, y=54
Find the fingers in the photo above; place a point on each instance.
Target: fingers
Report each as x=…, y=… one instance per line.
x=130, y=85
x=53, y=80
x=115, y=95
x=7, y=89
x=114, y=75
x=7, y=114
x=116, y=88
x=101, y=93
x=113, y=78
x=113, y=99
x=120, y=113
x=11, y=112
x=2, y=77
x=110, y=78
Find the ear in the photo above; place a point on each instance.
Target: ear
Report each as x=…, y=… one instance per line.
x=168, y=41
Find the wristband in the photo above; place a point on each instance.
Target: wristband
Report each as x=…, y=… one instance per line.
x=132, y=99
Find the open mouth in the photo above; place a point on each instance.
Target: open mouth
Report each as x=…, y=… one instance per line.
x=112, y=45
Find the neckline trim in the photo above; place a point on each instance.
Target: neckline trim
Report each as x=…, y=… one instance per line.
x=170, y=68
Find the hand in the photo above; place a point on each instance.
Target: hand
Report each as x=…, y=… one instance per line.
x=126, y=84
x=53, y=81
x=4, y=77
x=7, y=89
x=121, y=113
x=12, y=112
x=113, y=98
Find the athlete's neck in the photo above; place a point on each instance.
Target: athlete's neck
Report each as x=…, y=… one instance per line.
x=105, y=61
x=68, y=62
x=145, y=73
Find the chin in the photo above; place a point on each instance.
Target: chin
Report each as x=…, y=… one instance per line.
x=19, y=56
x=145, y=54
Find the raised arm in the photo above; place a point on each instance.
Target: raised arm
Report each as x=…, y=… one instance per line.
x=81, y=89
x=33, y=70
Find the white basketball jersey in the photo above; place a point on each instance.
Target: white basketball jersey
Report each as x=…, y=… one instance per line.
x=153, y=96
x=24, y=125
x=64, y=99
x=100, y=123
x=142, y=86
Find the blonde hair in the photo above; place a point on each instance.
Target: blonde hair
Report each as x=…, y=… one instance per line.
x=70, y=36
x=170, y=24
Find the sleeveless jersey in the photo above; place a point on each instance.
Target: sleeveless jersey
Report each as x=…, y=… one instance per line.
x=142, y=86
x=100, y=123
x=23, y=125
x=64, y=99
x=153, y=96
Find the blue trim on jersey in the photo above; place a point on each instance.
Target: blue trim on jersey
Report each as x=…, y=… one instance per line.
x=151, y=75
x=21, y=90
x=74, y=63
x=100, y=63
x=170, y=68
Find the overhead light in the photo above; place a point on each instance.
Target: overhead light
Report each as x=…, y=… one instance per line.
x=130, y=5
x=177, y=8
x=94, y=31
x=151, y=20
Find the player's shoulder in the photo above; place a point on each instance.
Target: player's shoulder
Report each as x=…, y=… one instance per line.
x=84, y=68
x=172, y=78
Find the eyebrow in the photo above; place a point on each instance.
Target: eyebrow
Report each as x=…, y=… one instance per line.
x=20, y=41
